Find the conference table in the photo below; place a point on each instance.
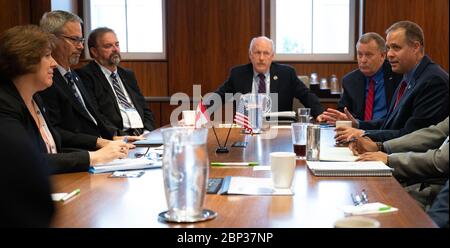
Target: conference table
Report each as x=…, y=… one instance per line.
x=317, y=201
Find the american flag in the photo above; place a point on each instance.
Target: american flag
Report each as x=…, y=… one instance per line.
x=242, y=119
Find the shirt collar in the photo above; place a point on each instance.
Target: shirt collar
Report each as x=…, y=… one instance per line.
x=105, y=70
x=266, y=74
x=409, y=76
x=62, y=70
x=378, y=76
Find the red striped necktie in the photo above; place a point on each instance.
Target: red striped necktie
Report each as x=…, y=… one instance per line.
x=401, y=90
x=368, y=112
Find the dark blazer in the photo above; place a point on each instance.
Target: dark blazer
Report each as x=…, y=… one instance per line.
x=283, y=80
x=68, y=116
x=12, y=105
x=424, y=103
x=25, y=185
x=26, y=200
x=104, y=98
x=354, y=85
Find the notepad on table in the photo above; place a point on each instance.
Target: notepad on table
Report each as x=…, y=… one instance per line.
x=349, y=169
x=126, y=164
x=342, y=154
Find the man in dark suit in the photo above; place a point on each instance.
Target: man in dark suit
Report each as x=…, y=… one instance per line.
x=368, y=90
x=263, y=76
x=114, y=89
x=420, y=100
x=68, y=105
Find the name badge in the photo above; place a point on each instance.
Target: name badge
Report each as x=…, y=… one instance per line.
x=135, y=118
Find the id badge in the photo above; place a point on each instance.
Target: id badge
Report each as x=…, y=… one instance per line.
x=135, y=118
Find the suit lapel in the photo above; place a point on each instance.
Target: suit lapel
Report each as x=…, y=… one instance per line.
x=105, y=84
x=423, y=64
x=360, y=88
x=248, y=80
x=274, y=85
x=61, y=83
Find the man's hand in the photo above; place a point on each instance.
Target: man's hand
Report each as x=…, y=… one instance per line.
x=374, y=156
x=362, y=145
x=332, y=115
x=346, y=134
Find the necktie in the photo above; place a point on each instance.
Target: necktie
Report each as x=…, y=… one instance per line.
x=71, y=82
x=123, y=101
x=262, y=83
x=119, y=92
x=368, y=112
x=401, y=90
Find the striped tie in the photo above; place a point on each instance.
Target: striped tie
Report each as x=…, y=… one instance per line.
x=119, y=92
x=401, y=90
x=262, y=83
x=368, y=112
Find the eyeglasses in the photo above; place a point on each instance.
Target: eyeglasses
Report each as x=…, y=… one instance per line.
x=74, y=40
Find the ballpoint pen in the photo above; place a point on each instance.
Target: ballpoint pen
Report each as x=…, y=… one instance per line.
x=234, y=163
x=71, y=194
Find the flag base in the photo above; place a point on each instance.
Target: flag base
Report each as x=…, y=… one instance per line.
x=222, y=149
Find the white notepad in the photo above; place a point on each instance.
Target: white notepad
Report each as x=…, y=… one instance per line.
x=342, y=154
x=349, y=169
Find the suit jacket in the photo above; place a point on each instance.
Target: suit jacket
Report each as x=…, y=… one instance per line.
x=12, y=105
x=69, y=117
x=424, y=103
x=420, y=156
x=104, y=98
x=354, y=96
x=283, y=80
x=26, y=200
x=439, y=210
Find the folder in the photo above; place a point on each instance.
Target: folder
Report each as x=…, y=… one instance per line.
x=126, y=164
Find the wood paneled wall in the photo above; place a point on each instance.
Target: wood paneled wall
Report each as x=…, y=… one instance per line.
x=205, y=38
x=431, y=15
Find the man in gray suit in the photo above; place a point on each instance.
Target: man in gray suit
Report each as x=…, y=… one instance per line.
x=420, y=159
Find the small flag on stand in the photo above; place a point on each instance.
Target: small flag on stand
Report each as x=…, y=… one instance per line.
x=201, y=118
x=242, y=120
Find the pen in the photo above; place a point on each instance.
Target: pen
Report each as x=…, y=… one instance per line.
x=234, y=163
x=384, y=208
x=71, y=194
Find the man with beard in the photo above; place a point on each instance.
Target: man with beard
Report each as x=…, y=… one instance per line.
x=66, y=102
x=115, y=91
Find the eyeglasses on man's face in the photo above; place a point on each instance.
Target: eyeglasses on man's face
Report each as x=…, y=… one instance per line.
x=73, y=39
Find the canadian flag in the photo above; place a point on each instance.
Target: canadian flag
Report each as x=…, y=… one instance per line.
x=201, y=118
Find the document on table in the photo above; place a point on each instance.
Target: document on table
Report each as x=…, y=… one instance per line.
x=343, y=154
x=126, y=164
x=349, y=169
x=251, y=186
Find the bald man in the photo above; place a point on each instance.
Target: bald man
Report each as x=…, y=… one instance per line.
x=264, y=76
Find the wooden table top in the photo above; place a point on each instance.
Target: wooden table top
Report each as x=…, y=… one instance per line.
x=136, y=202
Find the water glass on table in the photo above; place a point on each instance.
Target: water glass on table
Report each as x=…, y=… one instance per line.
x=304, y=115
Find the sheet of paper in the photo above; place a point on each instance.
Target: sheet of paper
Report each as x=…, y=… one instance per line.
x=255, y=186
x=343, y=154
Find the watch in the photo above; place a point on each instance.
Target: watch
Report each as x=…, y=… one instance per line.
x=380, y=146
